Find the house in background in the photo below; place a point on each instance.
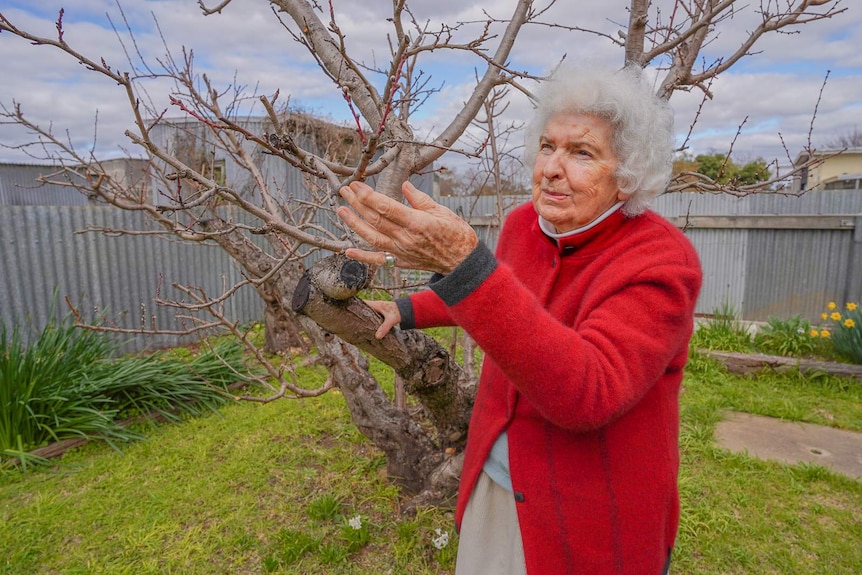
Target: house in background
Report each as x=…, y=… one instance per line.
x=841, y=169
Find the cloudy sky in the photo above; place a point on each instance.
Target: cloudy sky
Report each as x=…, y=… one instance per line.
x=773, y=92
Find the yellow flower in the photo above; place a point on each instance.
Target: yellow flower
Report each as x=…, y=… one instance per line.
x=849, y=323
x=835, y=316
x=825, y=333
x=851, y=306
x=831, y=305
x=814, y=333
x=824, y=315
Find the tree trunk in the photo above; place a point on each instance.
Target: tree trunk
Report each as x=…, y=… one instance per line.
x=411, y=455
x=282, y=331
x=427, y=466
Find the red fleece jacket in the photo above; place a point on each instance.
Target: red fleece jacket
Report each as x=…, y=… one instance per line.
x=585, y=341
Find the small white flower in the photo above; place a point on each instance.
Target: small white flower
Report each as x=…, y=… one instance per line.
x=442, y=539
x=355, y=522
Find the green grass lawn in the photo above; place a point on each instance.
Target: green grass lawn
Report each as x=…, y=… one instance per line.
x=270, y=489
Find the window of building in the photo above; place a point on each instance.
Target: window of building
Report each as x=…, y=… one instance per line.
x=848, y=184
x=219, y=172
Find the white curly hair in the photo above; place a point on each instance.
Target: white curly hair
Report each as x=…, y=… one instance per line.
x=642, y=125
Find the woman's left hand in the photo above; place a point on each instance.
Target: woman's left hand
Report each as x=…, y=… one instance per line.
x=390, y=313
x=422, y=236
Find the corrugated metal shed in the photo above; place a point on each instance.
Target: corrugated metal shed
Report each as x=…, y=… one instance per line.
x=20, y=186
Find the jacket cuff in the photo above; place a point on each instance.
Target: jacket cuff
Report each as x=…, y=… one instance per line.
x=405, y=308
x=465, y=278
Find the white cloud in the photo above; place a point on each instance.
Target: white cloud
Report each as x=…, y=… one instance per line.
x=775, y=89
x=769, y=104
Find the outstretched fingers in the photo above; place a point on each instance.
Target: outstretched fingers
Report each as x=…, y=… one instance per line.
x=423, y=235
x=378, y=210
x=372, y=258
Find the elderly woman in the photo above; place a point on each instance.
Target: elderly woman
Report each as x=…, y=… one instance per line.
x=584, y=314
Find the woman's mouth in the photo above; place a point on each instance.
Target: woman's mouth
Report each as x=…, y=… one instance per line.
x=554, y=195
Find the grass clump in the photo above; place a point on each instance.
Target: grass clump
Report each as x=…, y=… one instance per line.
x=67, y=384
x=722, y=331
x=788, y=337
x=45, y=394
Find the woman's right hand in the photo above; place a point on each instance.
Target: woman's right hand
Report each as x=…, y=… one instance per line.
x=389, y=311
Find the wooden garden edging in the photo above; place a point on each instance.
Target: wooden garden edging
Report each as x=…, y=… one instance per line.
x=742, y=363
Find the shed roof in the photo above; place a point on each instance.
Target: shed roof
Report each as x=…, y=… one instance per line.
x=805, y=155
x=20, y=186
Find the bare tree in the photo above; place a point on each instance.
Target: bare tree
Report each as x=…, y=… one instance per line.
x=850, y=139
x=316, y=307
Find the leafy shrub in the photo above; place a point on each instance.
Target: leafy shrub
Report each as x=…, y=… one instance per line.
x=789, y=337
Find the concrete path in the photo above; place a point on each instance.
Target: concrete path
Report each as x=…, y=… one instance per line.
x=792, y=442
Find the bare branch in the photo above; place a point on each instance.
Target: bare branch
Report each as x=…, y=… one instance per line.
x=636, y=34
x=491, y=78
x=816, y=106
x=683, y=41
x=217, y=9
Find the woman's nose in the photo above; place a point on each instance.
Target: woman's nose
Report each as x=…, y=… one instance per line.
x=552, y=167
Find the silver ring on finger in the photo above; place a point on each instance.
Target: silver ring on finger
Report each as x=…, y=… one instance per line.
x=389, y=260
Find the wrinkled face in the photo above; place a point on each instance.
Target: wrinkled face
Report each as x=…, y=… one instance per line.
x=574, y=178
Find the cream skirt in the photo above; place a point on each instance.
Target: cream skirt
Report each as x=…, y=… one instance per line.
x=490, y=538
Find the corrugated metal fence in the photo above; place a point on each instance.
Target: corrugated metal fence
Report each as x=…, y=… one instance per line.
x=773, y=255
x=762, y=255
x=44, y=259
